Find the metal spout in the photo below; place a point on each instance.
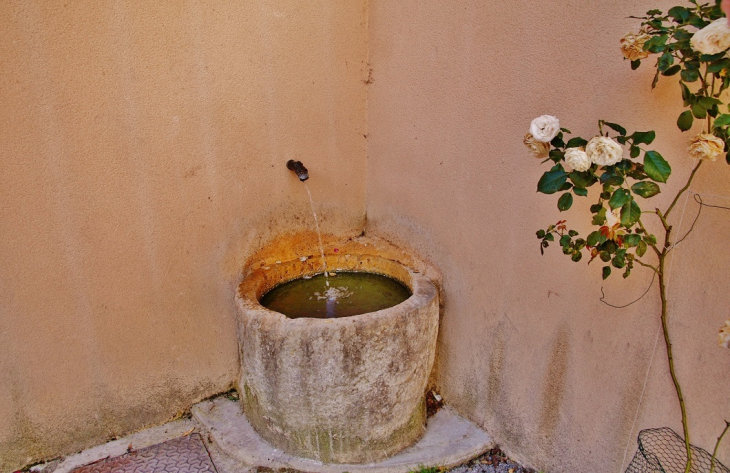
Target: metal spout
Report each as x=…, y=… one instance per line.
x=298, y=168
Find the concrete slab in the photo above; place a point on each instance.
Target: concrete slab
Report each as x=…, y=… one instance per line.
x=449, y=440
x=137, y=441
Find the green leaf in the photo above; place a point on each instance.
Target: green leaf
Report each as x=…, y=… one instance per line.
x=627, y=273
x=665, y=60
x=540, y=234
x=634, y=152
x=699, y=111
x=557, y=142
x=632, y=240
x=577, y=255
x=645, y=189
x=656, y=44
x=712, y=57
x=619, y=198
x=618, y=261
x=686, y=94
x=685, y=120
x=722, y=120
x=680, y=14
x=565, y=240
x=656, y=167
x=606, y=272
x=635, y=64
x=549, y=237
x=617, y=128
x=650, y=239
x=641, y=248
x=595, y=238
x=565, y=201
x=630, y=214
x=552, y=180
x=719, y=65
x=582, y=179
x=708, y=102
x=600, y=217
x=690, y=75
x=580, y=191
x=572, y=233
x=596, y=208
x=672, y=70
x=645, y=137
x=576, y=142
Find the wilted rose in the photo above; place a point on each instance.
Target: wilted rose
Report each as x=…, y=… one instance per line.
x=544, y=128
x=577, y=159
x=603, y=151
x=706, y=146
x=725, y=334
x=713, y=38
x=632, y=46
x=538, y=148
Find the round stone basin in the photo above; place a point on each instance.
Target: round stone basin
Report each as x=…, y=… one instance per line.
x=337, y=390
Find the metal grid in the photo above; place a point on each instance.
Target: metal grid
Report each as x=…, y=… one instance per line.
x=182, y=455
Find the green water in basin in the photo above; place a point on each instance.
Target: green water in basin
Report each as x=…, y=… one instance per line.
x=350, y=293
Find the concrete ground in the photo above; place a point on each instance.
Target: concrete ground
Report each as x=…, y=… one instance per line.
x=218, y=438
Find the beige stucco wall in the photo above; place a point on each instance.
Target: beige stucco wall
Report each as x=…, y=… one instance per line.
x=526, y=348
x=142, y=153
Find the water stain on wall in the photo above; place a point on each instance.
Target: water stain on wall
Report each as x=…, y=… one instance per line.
x=556, y=378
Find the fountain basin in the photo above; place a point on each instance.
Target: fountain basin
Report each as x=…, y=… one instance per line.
x=344, y=390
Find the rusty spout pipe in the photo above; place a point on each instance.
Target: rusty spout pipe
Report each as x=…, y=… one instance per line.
x=298, y=168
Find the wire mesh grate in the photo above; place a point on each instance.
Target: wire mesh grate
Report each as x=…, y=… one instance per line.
x=663, y=451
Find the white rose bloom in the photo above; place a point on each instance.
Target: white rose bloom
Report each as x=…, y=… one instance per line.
x=603, y=151
x=577, y=159
x=613, y=217
x=544, y=128
x=725, y=335
x=713, y=38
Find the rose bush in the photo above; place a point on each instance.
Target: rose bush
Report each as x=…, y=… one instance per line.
x=691, y=43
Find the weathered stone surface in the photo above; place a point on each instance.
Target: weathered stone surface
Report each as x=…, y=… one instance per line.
x=449, y=440
x=346, y=390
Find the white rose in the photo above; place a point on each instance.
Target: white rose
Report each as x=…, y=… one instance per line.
x=706, y=146
x=577, y=159
x=538, y=148
x=603, y=151
x=544, y=128
x=713, y=38
x=725, y=335
x=613, y=217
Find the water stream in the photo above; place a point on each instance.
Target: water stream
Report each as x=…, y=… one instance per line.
x=319, y=236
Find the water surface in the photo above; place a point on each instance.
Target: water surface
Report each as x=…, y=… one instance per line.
x=350, y=293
